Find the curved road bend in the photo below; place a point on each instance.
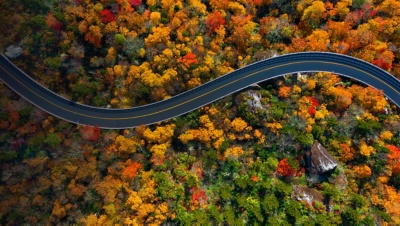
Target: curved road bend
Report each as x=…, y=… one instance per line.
x=199, y=96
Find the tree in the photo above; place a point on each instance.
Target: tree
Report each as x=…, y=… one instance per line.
x=342, y=97
x=53, y=23
x=314, y=13
x=52, y=140
x=132, y=170
x=213, y=21
x=284, y=91
x=362, y=171
x=106, y=16
x=90, y=133
x=270, y=204
x=284, y=168
x=318, y=40
x=94, y=36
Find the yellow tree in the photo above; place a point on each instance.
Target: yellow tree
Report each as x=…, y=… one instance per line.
x=318, y=40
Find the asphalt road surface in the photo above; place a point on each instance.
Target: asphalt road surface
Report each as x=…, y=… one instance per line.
x=195, y=98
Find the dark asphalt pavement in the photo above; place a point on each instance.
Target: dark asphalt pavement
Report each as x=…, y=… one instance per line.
x=193, y=99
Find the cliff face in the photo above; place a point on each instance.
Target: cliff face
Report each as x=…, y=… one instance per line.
x=321, y=160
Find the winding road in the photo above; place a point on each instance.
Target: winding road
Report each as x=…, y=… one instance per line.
x=195, y=98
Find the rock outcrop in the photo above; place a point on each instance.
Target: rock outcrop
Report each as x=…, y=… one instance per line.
x=13, y=51
x=319, y=159
x=309, y=195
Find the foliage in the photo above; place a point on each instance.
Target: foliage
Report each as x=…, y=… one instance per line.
x=237, y=161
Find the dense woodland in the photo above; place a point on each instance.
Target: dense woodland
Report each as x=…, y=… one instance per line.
x=239, y=161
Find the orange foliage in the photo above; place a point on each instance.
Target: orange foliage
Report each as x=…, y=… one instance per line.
x=366, y=150
x=391, y=203
x=94, y=36
x=284, y=91
x=53, y=23
x=132, y=170
x=370, y=98
x=394, y=158
x=346, y=153
x=188, y=59
x=233, y=152
x=238, y=125
x=362, y=171
x=58, y=210
x=90, y=133
x=342, y=97
x=284, y=168
x=213, y=21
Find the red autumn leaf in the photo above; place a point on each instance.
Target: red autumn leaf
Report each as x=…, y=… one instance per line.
x=132, y=170
x=53, y=23
x=90, y=133
x=107, y=16
x=135, y=3
x=284, y=168
x=213, y=21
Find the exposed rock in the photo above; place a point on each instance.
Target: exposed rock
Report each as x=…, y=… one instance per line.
x=304, y=193
x=253, y=98
x=340, y=181
x=320, y=159
x=13, y=51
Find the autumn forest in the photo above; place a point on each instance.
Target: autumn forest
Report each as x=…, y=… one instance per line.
x=251, y=158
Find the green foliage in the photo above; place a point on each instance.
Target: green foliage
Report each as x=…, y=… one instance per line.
x=368, y=126
x=247, y=114
x=306, y=139
x=36, y=6
x=24, y=115
x=5, y=136
x=321, y=220
x=270, y=204
x=293, y=211
x=53, y=63
x=272, y=163
x=200, y=217
x=317, y=131
x=8, y=156
x=82, y=90
x=52, y=140
x=357, y=200
x=242, y=181
x=229, y=216
x=329, y=190
x=119, y=38
x=132, y=47
x=282, y=189
x=37, y=22
x=37, y=140
x=215, y=214
x=225, y=191
x=350, y=216
x=278, y=110
x=164, y=185
x=191, y=181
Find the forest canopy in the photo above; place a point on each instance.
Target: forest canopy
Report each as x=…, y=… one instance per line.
x=247, y=159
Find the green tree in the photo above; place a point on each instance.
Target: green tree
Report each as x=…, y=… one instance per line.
x=52, y=140
x=270, y=204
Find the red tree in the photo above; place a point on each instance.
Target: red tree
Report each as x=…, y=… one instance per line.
x=284, y=168
x=213, y=21
x=90, y=133
x=53, y=23
x=107, y=16
x=132, y=169
x=135, y=3
x=198, y=196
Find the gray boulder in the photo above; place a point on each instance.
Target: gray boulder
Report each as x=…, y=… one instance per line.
x=13, y=51
x=320, y=158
